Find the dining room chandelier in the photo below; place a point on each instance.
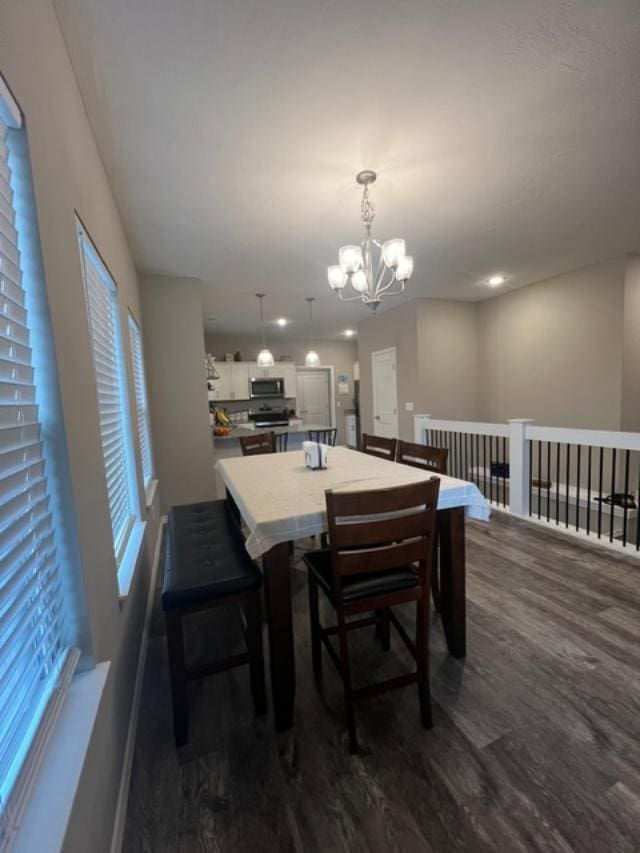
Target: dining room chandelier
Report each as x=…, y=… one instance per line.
x=357, y=265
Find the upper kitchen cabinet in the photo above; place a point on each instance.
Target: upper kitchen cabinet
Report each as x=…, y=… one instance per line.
x=233, y=383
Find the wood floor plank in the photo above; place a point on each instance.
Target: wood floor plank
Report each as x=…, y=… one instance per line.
x=534, y=745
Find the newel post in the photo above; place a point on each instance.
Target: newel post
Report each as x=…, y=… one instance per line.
x=420, y=423
x=519, y=473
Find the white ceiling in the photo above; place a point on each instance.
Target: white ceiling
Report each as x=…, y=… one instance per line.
x=506, y=136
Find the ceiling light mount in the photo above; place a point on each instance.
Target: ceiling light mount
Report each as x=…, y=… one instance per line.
x=356, y=265
x=366, y=177
x=496, y=280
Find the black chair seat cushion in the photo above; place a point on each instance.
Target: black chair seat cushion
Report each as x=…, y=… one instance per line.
x=363, y=585
x=206, y=556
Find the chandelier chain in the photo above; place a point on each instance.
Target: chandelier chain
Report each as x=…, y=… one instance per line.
x=367, y=209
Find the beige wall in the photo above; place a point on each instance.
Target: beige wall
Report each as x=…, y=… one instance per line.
x=553, y=351
x=631, y=347
x=436, y=359
x=448, y=358
x=174, y=356
x=68, y=177
x=337, y=354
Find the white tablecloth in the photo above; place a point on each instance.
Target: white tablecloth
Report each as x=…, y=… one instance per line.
x=281, y=500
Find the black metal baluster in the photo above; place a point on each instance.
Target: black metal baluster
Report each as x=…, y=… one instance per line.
x=558, y=482
x=490, y=463
x=504, y=471
x=484, y=465
x=478, y=460
x=539, y=475
x=568, y=474
x=600, y=493
x=465, y=455
x=548, y=479
x=613, y=491
x=530, y=478
x=578, y=491
x=625, y=510
x=589, y=492
x=472, y=465
x=460, y=471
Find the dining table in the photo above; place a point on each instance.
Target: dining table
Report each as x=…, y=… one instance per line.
x=279, y=501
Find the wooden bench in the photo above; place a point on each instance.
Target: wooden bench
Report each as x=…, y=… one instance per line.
x=207, y=566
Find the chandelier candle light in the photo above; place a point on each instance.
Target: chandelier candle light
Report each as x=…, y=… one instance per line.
x=265, y=358
x=312, y=359
x=356, y=263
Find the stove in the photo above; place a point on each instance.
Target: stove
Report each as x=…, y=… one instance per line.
x=266, y=417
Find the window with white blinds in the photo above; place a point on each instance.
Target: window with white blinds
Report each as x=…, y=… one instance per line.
x=108, y=363
x=142, y=406
x=36, y=661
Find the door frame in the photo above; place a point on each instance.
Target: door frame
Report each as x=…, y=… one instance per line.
x=373, y=384
x=332, y=387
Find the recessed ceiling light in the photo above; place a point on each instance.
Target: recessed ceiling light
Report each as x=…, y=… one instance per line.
x=496, y=280
x=349, y=333
x=281, y=321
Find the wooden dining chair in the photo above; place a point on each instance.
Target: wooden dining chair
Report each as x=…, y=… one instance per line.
x=423, y=456
x=432, y=459
x=282, y=441
x=376, y=445
x=254, y=445
x=324, y=436
x=374, y=563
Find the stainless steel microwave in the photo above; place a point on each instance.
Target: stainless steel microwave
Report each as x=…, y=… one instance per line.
x=261, y=387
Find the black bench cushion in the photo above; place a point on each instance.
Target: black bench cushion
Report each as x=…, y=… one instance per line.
x=206, y=557
x=363, y=585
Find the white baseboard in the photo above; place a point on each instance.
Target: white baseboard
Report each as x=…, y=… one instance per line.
x=125, y=779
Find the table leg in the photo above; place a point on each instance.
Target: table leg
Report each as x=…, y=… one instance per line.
x=452, y=578
x=277, y=586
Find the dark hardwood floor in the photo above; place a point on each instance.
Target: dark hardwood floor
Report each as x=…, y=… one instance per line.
x=535, y=747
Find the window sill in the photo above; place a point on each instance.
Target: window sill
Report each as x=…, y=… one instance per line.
x=44, y=823
x=150, y=493
x=130, y=559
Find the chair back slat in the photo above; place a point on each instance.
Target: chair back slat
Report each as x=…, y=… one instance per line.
x=391, y=556
x=423, y=456
x=255, y=445
x=380, y=529
x=379, y=532
x=324, y=436
x=376, y=445
x=379, y=501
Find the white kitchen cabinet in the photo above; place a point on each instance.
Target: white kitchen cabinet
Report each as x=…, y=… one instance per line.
x=289, y=374
x=222, y=385
x=239, y=380
x=233, y=383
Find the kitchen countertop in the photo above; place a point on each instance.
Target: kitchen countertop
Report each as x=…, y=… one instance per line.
x=239, y=431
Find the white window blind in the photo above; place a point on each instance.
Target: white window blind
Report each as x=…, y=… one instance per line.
x=36, y=662
x=142, y=406
x=106, y=344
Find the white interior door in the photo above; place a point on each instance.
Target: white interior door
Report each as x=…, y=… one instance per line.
x=385, y=393
x=314, y=405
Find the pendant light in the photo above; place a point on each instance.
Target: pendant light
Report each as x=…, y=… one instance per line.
x=265, y=358
x=312, y=359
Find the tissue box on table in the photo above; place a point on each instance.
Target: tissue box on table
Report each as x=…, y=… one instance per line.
x=315, y=454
